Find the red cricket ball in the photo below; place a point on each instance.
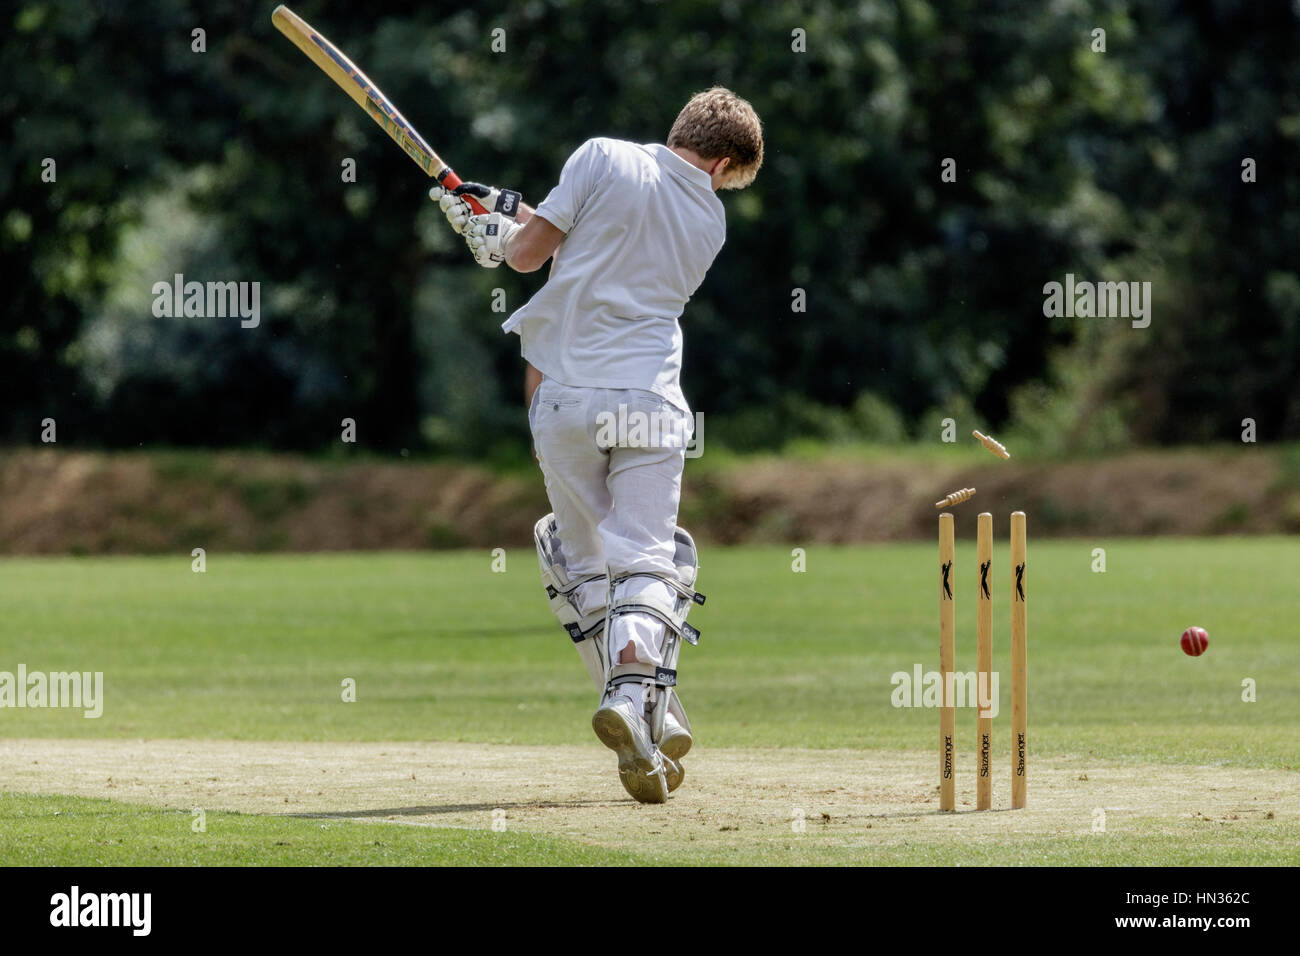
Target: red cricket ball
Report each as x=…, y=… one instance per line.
x=1195, y=641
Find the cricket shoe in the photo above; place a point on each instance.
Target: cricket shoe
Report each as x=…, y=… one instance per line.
x=640, y=766
x=676, y=742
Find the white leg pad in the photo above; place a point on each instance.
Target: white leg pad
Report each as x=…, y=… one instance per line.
x=638, y=600
x=576, y=601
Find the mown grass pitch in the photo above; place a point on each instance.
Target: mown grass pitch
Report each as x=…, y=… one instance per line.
x=443, y=648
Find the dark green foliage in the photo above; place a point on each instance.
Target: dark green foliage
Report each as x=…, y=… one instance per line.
x=225, y=165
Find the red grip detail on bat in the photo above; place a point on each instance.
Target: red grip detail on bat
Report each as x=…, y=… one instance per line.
x=449, y=181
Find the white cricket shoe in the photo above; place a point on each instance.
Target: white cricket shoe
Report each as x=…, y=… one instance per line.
x=640, y=765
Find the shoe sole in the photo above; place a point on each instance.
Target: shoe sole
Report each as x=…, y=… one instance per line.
x=642, y=780
x=674, y=773
x=674, y=749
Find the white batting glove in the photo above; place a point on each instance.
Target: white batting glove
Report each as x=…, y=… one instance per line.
x=504, y=201
x=487, y=236
x=458, y=210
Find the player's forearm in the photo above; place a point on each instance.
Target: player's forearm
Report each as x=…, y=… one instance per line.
x=524, y=214
x=532, y=244
x=518, y=255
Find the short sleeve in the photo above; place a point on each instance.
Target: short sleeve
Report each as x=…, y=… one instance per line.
x=578, y=180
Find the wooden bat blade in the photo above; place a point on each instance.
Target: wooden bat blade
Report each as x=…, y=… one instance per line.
x=348, y=76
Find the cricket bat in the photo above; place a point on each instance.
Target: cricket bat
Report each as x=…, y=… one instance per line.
x=368, y=96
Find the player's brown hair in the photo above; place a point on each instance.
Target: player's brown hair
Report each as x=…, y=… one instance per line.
x=718, y=123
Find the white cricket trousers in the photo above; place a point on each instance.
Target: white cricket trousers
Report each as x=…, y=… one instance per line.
x=615, y=492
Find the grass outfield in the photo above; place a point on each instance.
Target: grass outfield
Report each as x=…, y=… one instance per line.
x=75, y=831
x=257, y=648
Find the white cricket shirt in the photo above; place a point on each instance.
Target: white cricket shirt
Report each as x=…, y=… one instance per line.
x=642, y=226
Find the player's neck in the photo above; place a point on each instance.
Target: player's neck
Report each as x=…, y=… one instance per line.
x=692, y=157
x=709, y=166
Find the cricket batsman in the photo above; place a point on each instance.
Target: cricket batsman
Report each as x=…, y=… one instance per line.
x=630, y=231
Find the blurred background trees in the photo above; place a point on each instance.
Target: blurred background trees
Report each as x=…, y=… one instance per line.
x=924, y=298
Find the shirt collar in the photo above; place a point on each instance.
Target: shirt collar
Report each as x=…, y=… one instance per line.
x=680, y=166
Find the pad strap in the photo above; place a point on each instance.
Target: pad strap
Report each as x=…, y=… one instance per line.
x=673, y=615
x=638, y=673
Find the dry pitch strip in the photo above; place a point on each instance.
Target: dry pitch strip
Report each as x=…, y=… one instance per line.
x=984, y=661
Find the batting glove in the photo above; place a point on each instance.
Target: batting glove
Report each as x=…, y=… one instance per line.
x=504, y=201
x=487, y=236
x=458, y=211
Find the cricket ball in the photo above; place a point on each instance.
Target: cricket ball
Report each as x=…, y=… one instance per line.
x=1195, y=641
